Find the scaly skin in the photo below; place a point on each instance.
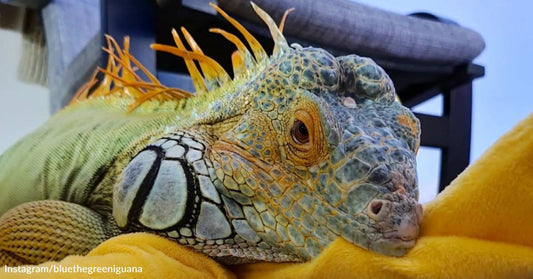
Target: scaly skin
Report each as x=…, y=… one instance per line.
x=299, y=149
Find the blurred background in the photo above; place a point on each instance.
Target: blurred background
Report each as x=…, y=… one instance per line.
x=501, y=99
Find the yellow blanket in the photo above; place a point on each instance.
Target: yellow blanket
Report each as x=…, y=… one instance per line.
x=481, y=226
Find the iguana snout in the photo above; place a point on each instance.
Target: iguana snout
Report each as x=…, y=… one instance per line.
x=399, y=224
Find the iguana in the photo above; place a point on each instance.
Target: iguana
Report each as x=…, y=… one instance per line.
x=297, y=149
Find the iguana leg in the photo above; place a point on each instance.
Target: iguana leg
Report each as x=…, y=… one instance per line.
x=41, y=231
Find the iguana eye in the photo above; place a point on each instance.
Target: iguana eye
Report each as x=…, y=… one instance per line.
x=299, y=132
x=304, y=136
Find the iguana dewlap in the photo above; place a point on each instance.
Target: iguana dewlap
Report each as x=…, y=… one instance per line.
x=299, y=148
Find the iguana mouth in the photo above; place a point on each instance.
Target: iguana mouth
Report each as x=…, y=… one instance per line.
x=407, y=240
x=397, y=224
x=404, y=234
x=392, y=246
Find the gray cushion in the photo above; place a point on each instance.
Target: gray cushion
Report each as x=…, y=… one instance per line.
x=74, y=48
x=357, y=28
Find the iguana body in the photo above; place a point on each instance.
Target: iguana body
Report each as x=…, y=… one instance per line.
x=299, y=149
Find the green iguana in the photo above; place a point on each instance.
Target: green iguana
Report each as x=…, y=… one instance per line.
x=297, y=149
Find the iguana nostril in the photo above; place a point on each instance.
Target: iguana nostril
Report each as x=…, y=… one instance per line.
x=376, y=206
x=379, y=209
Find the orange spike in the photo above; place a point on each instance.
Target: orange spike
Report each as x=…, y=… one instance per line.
x=126, y=83
x=120, y=52
x=127, y=70
x=105, y=86
x=106, y=82
x=126, y=75
x=196, y=77
x=280, y=44
x=111, y=41
x=257, y=49
x=282, y=22
x=111, y=53
x=239, y=67
x=182, y=53
x=145, y=84
x=216, y=69
x=122, y=86
x=83, y=91
x=136, y=90
x=137, y=63
x=210, y=74
x=190, y=40
x=121, y=80
x=244, y=53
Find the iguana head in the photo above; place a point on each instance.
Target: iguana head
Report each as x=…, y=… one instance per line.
x=300, y=148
